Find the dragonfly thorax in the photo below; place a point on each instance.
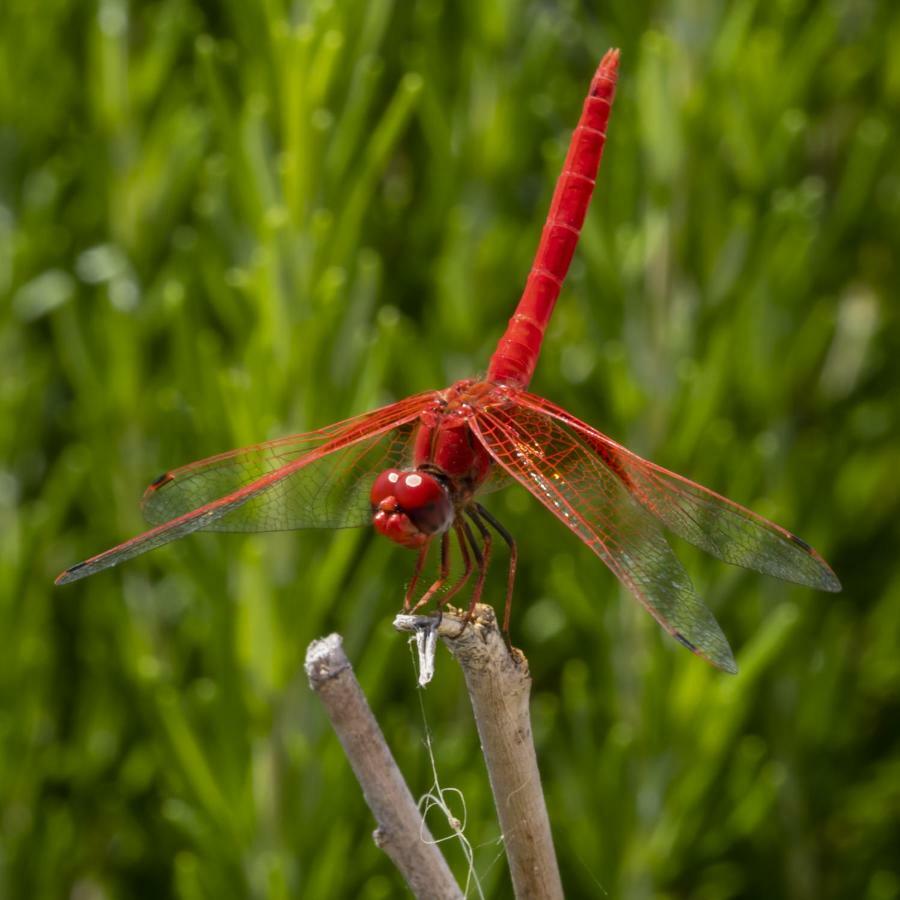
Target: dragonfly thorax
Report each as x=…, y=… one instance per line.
x=409, y=506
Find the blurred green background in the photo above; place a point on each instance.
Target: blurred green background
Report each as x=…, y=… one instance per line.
x=221, y=223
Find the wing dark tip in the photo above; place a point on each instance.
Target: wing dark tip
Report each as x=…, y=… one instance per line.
x=685, y=642
x=159, y=482
x=826, y=580
x=725, y=660
x=69, y=574
x=802, y=544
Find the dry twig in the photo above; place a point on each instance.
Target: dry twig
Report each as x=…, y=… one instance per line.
x=401, y=832
x=499, y=687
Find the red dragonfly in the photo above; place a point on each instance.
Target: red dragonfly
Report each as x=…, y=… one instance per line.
x=415, y=468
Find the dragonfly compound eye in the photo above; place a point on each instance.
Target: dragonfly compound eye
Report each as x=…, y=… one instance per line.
x=385, y=486
x=410, y=506
x=417, y=490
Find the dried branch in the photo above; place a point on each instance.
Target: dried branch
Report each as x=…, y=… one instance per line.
x=499, y=687
x=401, y=832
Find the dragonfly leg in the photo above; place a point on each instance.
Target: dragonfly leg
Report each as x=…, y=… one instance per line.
x=513, y=561
x=482, y=557
x=439, y=582
x=445, y=569
x=467, y=567
x=420, y=562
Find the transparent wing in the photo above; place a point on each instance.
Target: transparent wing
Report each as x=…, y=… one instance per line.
x=329, y=491
x=314, y=480
x=558, y=465
x=705, y=519
x=497, y=479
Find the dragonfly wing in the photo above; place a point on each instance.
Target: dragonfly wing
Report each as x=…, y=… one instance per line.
x=704, y=518
x=558, y=465
x=330, y=491
x=497, y=479
x=196, y=520
x=310, y=480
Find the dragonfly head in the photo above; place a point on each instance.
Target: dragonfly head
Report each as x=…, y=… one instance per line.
x=410, y=506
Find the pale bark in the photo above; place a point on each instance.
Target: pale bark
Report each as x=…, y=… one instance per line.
x=499, y=687
x=401, y=832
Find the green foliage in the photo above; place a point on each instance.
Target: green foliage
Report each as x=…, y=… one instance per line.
x=220, y=223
